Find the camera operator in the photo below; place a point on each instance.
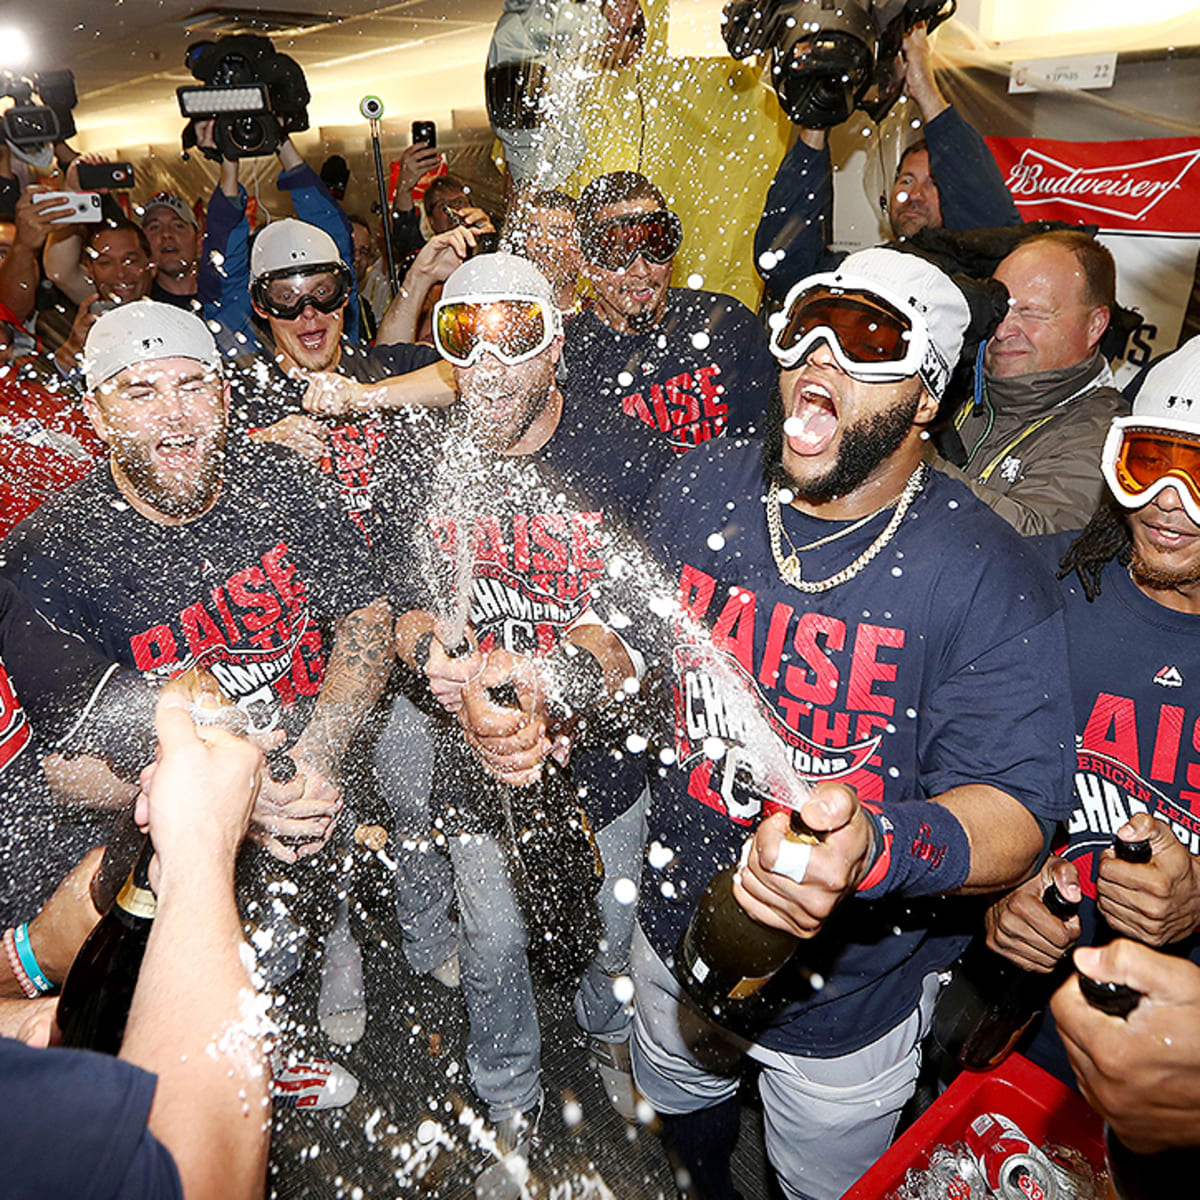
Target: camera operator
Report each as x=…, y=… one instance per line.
x=948, y=177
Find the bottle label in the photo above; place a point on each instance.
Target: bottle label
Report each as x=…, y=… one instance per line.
x=138, y=901
x=700, y=970
x=748, y=986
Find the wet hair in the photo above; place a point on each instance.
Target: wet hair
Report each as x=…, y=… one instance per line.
x=117, y=225
x=914, y=147
x=1105, y=537
x=441, y=185
x=612, y=188
x=355, y=219
x=1094, y=259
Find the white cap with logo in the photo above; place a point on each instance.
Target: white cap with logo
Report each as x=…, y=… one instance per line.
x=291, y=245
x=1169, y=397
x=143, y=331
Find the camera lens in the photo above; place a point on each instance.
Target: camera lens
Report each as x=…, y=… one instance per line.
x=247, y=134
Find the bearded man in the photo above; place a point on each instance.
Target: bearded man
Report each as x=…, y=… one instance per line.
x=906, y=651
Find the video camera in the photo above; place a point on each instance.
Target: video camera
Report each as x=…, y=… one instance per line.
x=31, y=127
x=830, y=57
x=256, y=95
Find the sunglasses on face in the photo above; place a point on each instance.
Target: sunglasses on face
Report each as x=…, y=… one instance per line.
x=616, y=244
x=286, y=296
x=514, y=329
x=868, y=336
x=1141, y=462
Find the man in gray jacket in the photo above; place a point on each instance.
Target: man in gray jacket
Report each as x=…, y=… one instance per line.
x=1033, y=432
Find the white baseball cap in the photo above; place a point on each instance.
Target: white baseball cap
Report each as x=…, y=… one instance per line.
x=143, y=331
x=291, y=244
x=923, y=293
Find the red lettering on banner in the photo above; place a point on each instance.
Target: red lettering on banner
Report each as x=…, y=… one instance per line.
x=1112, y=729
x=1146, y=185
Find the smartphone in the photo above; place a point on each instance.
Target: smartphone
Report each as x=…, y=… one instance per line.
x=93, y=176
x=73, y=208
x=424, y=131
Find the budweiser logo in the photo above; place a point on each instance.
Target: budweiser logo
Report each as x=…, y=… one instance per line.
x=1126, y=190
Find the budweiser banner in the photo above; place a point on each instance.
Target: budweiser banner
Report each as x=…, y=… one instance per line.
x=1142, y=195
x=1143, y=186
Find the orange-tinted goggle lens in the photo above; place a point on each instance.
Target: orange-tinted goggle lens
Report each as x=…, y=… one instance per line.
x=1144, y=458
x=516, y=329
x=868, y=329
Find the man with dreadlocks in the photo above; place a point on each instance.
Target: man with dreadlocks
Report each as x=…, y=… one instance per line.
x=1130, y=579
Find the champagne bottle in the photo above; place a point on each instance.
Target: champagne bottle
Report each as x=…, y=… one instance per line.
x=991, y=1001
x=1117, y=999
x=98, y=991
x=725, y=956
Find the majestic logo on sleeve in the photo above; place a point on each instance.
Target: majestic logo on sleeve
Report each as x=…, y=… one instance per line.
x=14, y=726
x=807, y=669
x=688, y=407
x=532, y=574
x=253, y=632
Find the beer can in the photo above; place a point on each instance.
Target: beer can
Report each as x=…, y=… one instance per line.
x=1012, y=1166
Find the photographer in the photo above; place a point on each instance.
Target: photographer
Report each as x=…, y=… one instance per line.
x=948, y=177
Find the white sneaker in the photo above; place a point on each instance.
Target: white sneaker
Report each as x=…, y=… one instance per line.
x=315, y=1084
x=449, y=973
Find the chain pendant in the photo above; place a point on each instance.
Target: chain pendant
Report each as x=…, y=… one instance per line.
x=791, y=568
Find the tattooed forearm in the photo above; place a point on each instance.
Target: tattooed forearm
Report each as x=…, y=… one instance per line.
x=354, y=679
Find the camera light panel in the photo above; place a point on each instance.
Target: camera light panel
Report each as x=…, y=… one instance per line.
x=213, y=101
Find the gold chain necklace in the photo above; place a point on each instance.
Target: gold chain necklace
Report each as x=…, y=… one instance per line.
x=789, y=568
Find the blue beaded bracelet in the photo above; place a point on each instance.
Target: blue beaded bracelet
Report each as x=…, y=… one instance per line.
x=29, y=961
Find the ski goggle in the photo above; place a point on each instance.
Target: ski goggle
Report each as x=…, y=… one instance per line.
x=1141, y=460
x=513, y=328
x=871, y=338
x=286, y=294
x=616, y=244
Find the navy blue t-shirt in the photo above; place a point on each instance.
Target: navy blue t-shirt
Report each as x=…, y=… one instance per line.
x=263, y=395
x=941, y=664
x=250, y=590
x=74, y=1123
x=704, y=371
x=1134, y=669
x=545, y=528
